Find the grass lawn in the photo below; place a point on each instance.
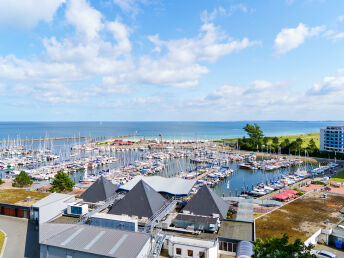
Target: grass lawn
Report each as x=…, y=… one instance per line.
x=2, y=239
x=18, y=196
x=301, y=218
x=339, y=177
x=305, y=137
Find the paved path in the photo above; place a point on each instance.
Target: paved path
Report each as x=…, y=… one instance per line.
x=22, y=239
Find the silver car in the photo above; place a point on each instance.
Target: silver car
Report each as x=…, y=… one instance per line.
x=322, y=254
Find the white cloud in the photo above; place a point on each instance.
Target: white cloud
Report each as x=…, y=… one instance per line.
x=27, y=14
x=341, y=18
x=129, y=6
x=291, y=38
x=121, y=34
x=87, y=20
x=334, y=36
x=207, y=17
x=180, y=65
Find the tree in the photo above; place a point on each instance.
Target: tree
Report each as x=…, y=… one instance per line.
x=1, y=181
x=265, y=140
x=22, y=180
x=280, y=248
x=62, y=183
x=255, y=134
x=299, y=142
x=275, y=141
x=312, y=147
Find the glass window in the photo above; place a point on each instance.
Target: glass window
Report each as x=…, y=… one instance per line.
x=178, y=251
x=190, y=253
x=201, y=254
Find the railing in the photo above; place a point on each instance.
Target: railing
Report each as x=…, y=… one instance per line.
x=100, y=207
x=158, y=239
x=165, y=209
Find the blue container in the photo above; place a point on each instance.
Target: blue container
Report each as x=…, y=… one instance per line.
x=339, y=244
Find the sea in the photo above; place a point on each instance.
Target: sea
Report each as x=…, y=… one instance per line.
x=169, y=130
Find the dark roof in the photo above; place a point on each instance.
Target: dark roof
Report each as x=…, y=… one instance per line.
x=100, y=190
x=206, y=202
x=98, y=241
x=196, y=218
x=141, y=201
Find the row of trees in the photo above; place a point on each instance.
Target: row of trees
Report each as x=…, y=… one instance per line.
x=256, y=141
x=61, y=182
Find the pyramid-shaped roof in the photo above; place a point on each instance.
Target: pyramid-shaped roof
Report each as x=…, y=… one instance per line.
x=206, y=202
x=141, y=201
x=100, y=190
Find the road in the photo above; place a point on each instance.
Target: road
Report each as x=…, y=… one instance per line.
x=22, y=239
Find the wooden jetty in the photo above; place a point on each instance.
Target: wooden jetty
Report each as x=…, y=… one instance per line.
x=44, y=139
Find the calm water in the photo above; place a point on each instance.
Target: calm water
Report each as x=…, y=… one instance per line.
x=169, y=130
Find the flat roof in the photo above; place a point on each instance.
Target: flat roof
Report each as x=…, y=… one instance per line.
x=95, y=240
x=19, y=197
x=192, y=241
x=172, y=185
x=239, y=230
x=54, y=197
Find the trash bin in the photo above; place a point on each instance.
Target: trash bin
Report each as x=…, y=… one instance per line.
x=339, y=244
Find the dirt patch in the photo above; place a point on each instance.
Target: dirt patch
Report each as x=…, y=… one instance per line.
x=301, y=218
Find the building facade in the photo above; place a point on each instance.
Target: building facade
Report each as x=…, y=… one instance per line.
x=332, y=139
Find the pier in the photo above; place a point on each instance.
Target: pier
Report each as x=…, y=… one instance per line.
x=44, y=139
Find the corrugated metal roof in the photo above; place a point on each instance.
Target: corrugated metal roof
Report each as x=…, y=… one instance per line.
x=54, y=197
x=95, y=240
x=206, y=202
x=172, y=185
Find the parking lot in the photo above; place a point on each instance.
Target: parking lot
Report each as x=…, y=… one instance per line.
x=339, y=253
x=22, y=238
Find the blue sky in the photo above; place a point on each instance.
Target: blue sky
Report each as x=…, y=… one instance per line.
x=154, y=60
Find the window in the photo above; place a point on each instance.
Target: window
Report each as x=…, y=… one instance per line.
x=179, y=251
x=201, y=254
x=190, y=253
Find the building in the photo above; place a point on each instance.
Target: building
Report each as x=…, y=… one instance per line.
x=171, y=186
x=332, y=139
x=207, y=203
x=196, y=222
x=142, y=201
x=76, y=241
x=99, y=191
x=51, y=207
x=183, y=247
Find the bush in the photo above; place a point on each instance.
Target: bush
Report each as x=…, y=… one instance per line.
x=1, y=181
x=318, y=183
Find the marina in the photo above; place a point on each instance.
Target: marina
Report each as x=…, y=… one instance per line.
x=229, y=172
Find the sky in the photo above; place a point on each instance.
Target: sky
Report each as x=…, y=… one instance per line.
x=171, y=60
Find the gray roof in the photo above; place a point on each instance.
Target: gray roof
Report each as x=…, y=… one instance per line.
x=172, y=185
x=100, y=190
x=141, y=201
x=51, y=198
x=94, y=240
x=196, y=218
x=238, y=230
x=206, y=202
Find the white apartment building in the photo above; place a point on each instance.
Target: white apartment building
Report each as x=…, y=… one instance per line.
x=332, y=139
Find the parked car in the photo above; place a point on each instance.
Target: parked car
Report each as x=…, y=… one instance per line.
x=322, y=254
